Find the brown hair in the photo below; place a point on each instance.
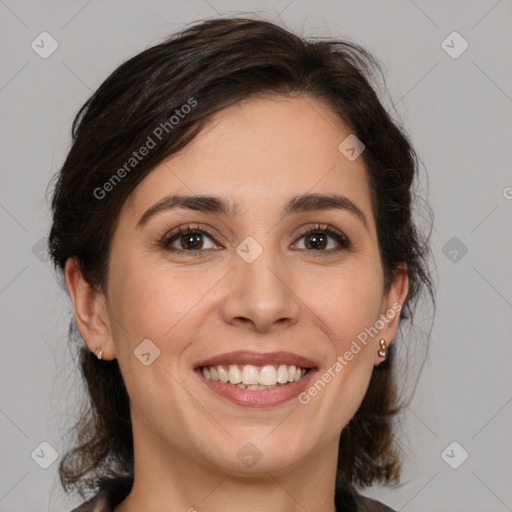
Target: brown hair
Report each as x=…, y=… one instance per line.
x=217, y=63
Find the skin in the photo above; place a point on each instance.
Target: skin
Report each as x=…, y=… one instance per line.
x=257, y=153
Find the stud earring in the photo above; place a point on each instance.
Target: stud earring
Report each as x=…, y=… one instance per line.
x=383, y=351
x=99, y=354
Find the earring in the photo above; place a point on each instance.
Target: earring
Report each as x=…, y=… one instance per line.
x=383, y=351
x=100, y=354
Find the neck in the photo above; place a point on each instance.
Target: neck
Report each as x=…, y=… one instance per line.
x=167, y=482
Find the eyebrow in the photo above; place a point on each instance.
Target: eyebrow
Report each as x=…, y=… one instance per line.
x=218, y=205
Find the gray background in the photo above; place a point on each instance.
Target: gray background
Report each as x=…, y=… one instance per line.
x=458, y=112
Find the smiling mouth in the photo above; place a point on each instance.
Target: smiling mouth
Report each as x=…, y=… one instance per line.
x=254, y=377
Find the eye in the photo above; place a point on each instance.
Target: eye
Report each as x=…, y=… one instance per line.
x=188, y=239
x=316, y=239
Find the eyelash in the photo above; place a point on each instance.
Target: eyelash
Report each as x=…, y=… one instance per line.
x=332, y=232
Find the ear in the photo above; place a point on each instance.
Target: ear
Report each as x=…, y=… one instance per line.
x=392, y=304
x=90, y=311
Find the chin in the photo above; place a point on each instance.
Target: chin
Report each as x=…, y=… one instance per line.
x=267, y=451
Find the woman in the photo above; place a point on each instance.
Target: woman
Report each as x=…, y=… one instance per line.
x=234, y=225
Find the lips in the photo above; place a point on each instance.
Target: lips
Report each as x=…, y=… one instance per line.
x=293, y=375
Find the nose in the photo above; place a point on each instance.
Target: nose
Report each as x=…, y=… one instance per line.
x=260, y=296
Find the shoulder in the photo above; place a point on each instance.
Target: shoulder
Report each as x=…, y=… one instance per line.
x=111, y=492
x=348, y=498
x=365, y=504
x=99, y=503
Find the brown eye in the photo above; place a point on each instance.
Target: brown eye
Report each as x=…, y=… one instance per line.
x=318, y=239
x=191, y=241
x=187, y=239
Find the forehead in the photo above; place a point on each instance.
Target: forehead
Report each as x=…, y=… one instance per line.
x=258, y=153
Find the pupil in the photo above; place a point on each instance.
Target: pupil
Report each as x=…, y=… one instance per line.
x=318, y=241
x=191, y=241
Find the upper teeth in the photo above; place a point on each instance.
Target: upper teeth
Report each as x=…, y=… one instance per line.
x=248, y=374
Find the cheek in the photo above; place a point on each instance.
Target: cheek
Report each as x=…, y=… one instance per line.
x=154, y=302
x=348, y=304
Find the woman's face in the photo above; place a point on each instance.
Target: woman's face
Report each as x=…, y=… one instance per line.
x=247, y=290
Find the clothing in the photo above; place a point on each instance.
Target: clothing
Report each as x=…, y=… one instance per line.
x=114, y=491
